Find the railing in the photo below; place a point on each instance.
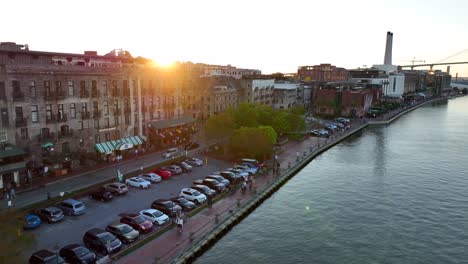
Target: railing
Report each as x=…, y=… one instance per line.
x=95, y=93
x=21, y=122
x=85, y=115
x=84, y=94
x=62, y=118
x=97, y=114
x=66, y=134
x=51, y=119
x=18, y=96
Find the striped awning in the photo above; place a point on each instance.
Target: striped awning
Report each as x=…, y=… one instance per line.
x=109, y=146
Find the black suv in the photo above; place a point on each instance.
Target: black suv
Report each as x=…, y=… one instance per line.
x=75, y=253
x=44, y=257
x=184, y=203
x=215, y=185
x=101, y=241
x=101, y=194
x=168, y=207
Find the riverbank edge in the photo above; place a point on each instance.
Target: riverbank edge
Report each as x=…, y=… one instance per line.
x=202, y=246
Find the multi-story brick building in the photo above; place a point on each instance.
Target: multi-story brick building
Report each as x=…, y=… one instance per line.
x=322, y=73
x=79, y=103
x=257, y=90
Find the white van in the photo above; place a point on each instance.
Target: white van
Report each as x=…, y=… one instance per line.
x=170, y=153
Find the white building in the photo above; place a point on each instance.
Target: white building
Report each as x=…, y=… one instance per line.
x=285, y=95
x=259, y=91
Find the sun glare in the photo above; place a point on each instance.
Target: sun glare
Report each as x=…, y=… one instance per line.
x=161, y=62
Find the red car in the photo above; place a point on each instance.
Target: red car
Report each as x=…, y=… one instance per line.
x=165, y=174
x=137, y=222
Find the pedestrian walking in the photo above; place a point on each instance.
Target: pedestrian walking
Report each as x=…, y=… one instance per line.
x=180, y=224
x=244, y=187
x=12, y=193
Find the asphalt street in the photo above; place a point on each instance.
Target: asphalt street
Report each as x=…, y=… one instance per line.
x=98, y=215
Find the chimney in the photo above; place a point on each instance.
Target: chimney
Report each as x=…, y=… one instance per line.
x=388, y=49
x=448, y=69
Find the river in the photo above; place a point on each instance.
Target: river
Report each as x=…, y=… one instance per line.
x=391, y=194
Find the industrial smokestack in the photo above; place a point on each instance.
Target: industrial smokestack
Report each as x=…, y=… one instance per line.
x=448, y=69
x=388, y=49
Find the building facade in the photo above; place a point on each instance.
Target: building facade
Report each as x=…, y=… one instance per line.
x=257, y=90
x=322, y=73
x=286, y=95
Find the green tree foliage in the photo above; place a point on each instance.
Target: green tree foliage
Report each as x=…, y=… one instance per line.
x=15, y=241
x=298, y=110
x=245, y=115
x=269, y=132
x=253, y=142
x=219, y=126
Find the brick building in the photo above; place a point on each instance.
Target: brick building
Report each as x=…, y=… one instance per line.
x=322, y=73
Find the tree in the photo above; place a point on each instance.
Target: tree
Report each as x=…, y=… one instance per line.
x=252, y=142
x=219, y=126
x=245, y=115
x=296, y=123
x=269, y=132
x=281, y=123
x=14, y=240
x=298, y=110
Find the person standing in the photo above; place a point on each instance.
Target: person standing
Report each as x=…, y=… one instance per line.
x=180, y=223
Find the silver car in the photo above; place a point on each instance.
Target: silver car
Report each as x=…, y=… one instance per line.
x=71, y=207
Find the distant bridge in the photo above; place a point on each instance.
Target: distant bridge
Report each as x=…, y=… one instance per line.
x=431, y=65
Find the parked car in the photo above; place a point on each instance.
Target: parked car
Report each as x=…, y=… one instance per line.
x=123, y=232
x=165, y=174
x=176, y=170
x=137, y=222
x=101, y=194
x=231, y=176
x=205, y=190
x=116, y=188
x=193, y=195
x=31, y=221
x=138, y=183
x=247, y=169
x=151, y=177
x=220, y=179
x=212, y=184
x=50, y=214
x=253, y=161
x=251, y=166
x=191, y=145
x=101, y=241
x=243, y=174
x=168, y=207
x=170, y=153
x=72, y=207
x=342, y=120
x=75, y=253
x=194, y=162
x=184, y=166
x=184, y=203
x=155, y=216
x=45, y=256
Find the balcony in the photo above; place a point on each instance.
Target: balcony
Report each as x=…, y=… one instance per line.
x=97, y=114
x=62, y=118
x=21, y=122
x=60, y=94
x=115, y=92
x=51, y=119
x=46, y=137
x=49, y=96
x=65, y=133
x=84, y=94
x=127, y=110
x=85, y=115
x=95, y=93
x=117, y=111
x=126, y=92
x=18, y=96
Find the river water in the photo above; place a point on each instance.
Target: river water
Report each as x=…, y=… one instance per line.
x=391, y=194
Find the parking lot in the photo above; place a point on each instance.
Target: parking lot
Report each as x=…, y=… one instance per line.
x=99, y=214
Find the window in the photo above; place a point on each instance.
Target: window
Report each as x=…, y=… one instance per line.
x=32, y=89
x=108, y=138
x=45, y=133
x=3, y=136
x=47, y=88
x=107, y=121
x=117, y=134
x=84, y=107
x=66, y=147
x=71, y=88
x=82, y=86
x=16, y=86
x=49, y=112
x=97, y=138
x=104, y=88
x=4, y=112
x=19, y=113
x=72, y=111
x=34, y=114
x=24, y=133
x=61, y=114
x=58, y=87
x=2, y=91
x=81, y=142
x=96, y=123
x=106, y=108
x=94, y=85
x=116, y=120
x=127, y=120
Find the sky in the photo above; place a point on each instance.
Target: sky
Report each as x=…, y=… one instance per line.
x=270, y=35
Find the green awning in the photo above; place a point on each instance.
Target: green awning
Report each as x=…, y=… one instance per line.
x=47, y=145
x=109, y=146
